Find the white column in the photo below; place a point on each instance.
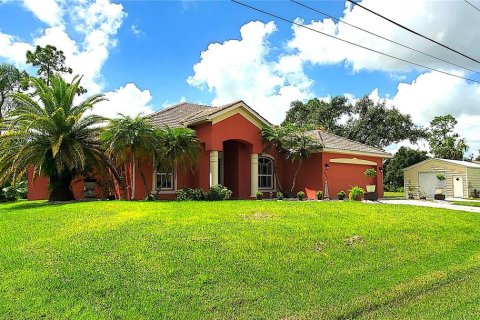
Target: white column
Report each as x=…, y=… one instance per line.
x=154, y=177
x=213, y=168
x=254, y=174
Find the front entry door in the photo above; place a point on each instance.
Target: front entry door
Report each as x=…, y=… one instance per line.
x=457, y=186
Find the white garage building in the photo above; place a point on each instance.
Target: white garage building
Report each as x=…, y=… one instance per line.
x=461, y=177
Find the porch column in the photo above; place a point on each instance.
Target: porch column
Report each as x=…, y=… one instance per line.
x=213, y=168
x=254, y=174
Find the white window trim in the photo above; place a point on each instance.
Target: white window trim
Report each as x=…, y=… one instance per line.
x=155, y=190
x=274, y=174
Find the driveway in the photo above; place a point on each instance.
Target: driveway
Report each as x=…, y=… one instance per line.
x=432, y=204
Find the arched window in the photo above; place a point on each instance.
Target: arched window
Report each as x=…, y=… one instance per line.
x=265, y=173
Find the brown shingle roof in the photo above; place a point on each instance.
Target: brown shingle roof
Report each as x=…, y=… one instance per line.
x=332, y=141
x=174, y=116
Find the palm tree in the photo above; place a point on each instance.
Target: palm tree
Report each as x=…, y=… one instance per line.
x=298, y=146
x=273, y=138
x=130, y=141
x=49, y=131
x=294, y=143
x=177, y=147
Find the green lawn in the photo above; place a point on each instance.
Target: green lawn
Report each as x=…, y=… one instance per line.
x=388, y=194
x=467, y=203
x=238, y=260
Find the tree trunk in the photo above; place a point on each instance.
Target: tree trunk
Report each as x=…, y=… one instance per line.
x=295, y=175
x=144, y=179
x=61, y=189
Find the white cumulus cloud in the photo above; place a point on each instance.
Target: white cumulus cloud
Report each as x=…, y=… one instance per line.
x=127, y=100
x=240, y=69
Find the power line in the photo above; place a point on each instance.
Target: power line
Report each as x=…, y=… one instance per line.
x=349, y=42
x=475, y=7
x=412, y=31
x=381, y=37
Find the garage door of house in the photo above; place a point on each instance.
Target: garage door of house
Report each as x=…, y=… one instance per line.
x=427, y=182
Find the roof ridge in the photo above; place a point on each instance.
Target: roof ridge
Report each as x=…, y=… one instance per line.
x=178, y=105
x=167, y=108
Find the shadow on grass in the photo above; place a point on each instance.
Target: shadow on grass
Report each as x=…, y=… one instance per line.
x=24, y=205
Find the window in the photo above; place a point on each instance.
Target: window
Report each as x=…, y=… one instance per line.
x=265, y=173
x=165, y=179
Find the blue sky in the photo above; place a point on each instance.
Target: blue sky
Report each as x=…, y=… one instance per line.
x=146, y=55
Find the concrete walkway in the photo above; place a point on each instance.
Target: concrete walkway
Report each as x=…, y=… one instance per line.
x=432, y=204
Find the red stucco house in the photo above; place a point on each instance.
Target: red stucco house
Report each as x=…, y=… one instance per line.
x=233, y=156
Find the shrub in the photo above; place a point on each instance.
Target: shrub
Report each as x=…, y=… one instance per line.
x=341, y=195
x=218, y=192
x=301, y=195
x=356, y=193
x=150, y=197
x=370, y=173
x=259, y=195
x=279, y=195
x=8, y=194
x=475, y=193
x=191, y=194
x=319, y=195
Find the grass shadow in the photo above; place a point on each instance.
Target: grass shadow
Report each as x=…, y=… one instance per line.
x=24, y=205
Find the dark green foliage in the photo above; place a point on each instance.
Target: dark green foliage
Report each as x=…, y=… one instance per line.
x=319, y=195
x=444, y=143
x=341, y=195
x=14, y=192
x=370, y=173
x=403, y=158
x=280, y=195
x=367, y=122
x=301, y=195
x=189, y=194
x=218, y=192
x=48, y=60
x=10, y=81
x=259, y=195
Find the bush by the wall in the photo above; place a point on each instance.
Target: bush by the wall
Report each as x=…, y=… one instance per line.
x=189, y=194
x=218, y=193
x=279, y=195
x=319, y=195
x=10, y=193
x=301, y=195
x=259, y=195
x=341, y=195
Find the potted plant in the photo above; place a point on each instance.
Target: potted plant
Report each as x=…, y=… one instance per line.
x=301, y=195
x=279, y=195
x=341, y=195
x=440, y=187
x=319, y=195
x=371, y=173
x=259, y=195
x=356, y=193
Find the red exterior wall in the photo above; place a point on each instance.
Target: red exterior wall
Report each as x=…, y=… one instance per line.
x=313, y=174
